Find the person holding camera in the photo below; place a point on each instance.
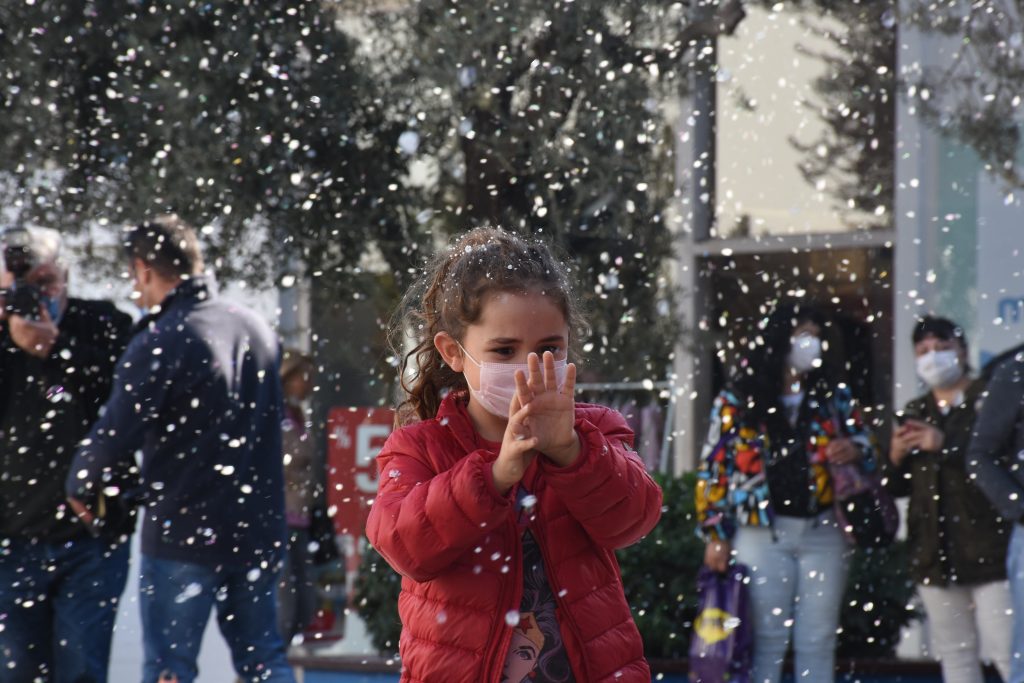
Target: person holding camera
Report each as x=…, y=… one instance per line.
x=59, y=584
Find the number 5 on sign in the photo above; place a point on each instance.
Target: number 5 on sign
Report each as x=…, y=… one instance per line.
x=355, y=437
x=369, y=440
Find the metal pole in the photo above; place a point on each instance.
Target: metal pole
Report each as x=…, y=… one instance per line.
x=697, y=166
x=705, y=102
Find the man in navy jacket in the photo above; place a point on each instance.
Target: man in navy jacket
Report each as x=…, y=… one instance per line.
x=197, y=392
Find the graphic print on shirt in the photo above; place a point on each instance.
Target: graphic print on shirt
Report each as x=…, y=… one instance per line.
x=537, y=611
x=524, y=651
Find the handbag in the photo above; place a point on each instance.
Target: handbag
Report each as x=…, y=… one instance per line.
x=865, y=511
x=721, y=646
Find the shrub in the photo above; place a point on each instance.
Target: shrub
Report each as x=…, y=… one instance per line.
x=376, y=598
x=660, y=573
x=876, y=605
x=660, y=576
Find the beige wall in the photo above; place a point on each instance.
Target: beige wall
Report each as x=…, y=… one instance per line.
x=758, y=170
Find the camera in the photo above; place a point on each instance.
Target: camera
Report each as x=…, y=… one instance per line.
x=22, y=298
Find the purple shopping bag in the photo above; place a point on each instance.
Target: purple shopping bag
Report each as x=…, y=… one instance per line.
x=722, y=643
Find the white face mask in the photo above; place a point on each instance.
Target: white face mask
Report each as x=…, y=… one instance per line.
x=498, y=383
x=939, y=369
x=805, y=354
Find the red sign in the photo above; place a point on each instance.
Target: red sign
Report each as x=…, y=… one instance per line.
x=354, y=438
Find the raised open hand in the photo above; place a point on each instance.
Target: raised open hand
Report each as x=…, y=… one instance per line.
x=550, y=409
x=517, y=450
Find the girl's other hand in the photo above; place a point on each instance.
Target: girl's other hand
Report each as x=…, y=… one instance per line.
x=551, y=411
x=517, y=450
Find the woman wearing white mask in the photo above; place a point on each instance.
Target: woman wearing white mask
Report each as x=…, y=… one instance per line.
x=764, y=491
x=957, y=542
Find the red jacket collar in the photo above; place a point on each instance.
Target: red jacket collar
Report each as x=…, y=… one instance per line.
x=453, y=415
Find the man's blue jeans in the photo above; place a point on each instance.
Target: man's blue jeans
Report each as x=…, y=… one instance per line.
x=1015, y=572
x=176, y=599
x=58, y=602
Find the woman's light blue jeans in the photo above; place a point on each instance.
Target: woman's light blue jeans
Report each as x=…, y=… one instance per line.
x=797, y=577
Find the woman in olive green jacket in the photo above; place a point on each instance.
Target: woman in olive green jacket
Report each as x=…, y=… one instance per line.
x=956, y=540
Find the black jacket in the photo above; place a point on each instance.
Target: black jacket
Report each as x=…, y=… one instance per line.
x=46, y=406
x=198, y=392
x=954, y=535
x=994, y=455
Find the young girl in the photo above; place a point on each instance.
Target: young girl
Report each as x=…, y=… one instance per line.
x=502, y=500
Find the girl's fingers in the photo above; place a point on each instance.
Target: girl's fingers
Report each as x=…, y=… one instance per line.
x=518, y=417
x=523, y=393
x=523, y=444
x=530, y=444
x=517, y=424
x=514, y=409
x=550, y=383
x=517, y=427
x=520, y=434
x=569, y=388
x=536, y=380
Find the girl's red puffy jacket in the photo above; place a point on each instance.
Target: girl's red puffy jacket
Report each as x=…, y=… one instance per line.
x=440, y=522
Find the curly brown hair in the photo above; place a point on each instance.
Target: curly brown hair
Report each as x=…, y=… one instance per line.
x=450, y=296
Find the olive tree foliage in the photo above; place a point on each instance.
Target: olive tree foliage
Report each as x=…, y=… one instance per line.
x=974, y=95
x=319, y=133
x=249, y=118
x=546, y=117
x=968, y=87
x=855, y=98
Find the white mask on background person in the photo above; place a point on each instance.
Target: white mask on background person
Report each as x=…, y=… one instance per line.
x=939, y=369
x=498, y=383
x=805, y=354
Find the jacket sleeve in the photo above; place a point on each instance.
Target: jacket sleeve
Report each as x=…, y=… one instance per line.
x=140, y=386
x=422, y=521
x=607, y=489
x=730, y=452
x=994, y=428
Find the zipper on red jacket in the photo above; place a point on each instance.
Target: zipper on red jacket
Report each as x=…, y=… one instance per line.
x=562, y=608
x=494, y=662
